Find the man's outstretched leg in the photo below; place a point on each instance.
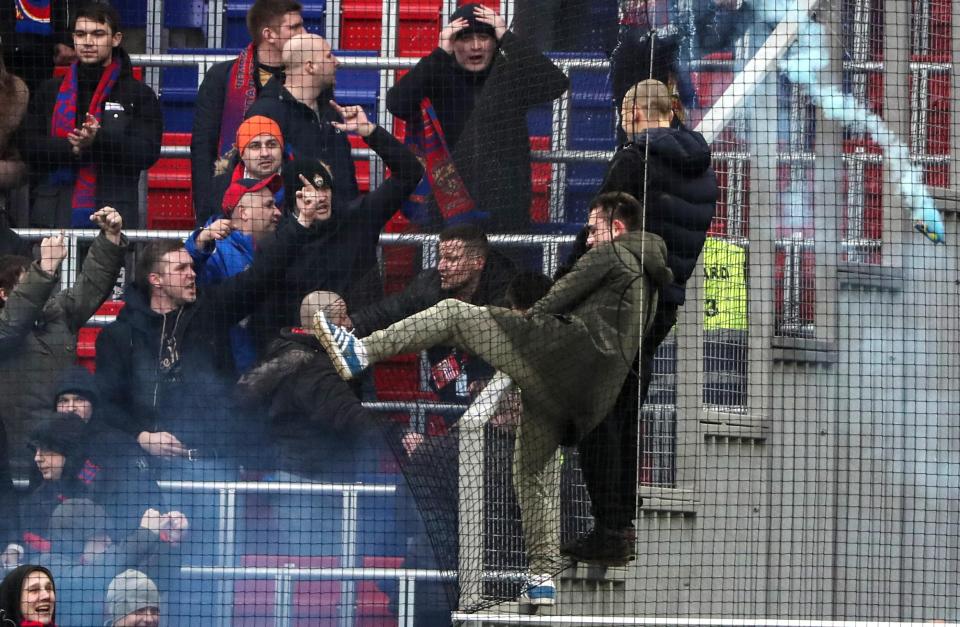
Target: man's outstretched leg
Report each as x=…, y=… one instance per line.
x=448, y=323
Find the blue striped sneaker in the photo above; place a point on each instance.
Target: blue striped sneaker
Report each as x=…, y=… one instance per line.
x=541, y=590
x=345, y=350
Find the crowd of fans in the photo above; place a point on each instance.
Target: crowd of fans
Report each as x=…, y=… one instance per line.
x=208, y=373
x=211, y=371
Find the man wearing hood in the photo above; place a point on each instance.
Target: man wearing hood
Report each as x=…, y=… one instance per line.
x=569, y=354
x=89, y=135
x=303, y=109
x=667, y=167
x=482, y=80
x=39, y=325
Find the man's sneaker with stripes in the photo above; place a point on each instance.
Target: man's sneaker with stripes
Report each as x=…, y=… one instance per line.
x=345, y=350
x=540, y=591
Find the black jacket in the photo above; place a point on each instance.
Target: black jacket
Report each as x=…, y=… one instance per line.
x=484, y=119
x=343, y=249
x=424, y=292
x=207, y=116
x=127, y=143
x=316, y=420
x=189, y=396
x=683, y=194
x=309, y=134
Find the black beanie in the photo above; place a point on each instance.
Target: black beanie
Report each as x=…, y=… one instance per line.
x=312, y=169
x=60, y=433
x=473, y=24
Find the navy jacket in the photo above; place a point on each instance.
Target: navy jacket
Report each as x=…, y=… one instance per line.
x=682, y=194
x=189, y=397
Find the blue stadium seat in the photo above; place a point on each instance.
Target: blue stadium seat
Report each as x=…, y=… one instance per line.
x=133, y=13
x=358, y=86
x=178, y=91
x=583, y=181
x=236, y=35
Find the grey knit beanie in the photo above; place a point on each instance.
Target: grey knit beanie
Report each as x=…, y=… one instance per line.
x=129, y=591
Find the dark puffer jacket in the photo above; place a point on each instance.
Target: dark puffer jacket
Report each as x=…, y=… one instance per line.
x=316, y=421
x=682, y=194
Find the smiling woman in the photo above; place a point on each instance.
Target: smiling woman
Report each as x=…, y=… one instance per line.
x=28, y=597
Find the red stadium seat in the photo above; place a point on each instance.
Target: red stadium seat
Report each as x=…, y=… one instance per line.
x=169, y=196
x=315, y=603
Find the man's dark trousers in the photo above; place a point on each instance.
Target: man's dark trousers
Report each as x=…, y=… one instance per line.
x=608, y=455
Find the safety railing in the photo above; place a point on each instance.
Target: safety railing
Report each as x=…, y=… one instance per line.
x=225, y=553
x=550, y=246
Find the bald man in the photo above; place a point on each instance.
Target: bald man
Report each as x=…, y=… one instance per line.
x=301, y=107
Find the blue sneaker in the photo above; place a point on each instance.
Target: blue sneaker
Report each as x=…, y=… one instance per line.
x=345, y=350
x=541, y=590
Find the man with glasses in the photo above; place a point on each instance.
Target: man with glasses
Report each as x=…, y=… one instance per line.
x=89, y=135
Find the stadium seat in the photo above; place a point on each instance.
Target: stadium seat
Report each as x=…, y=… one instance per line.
x=360, y=25
x=419, y=27
x=540, y=183
x=358, y=86
x=315, y=603
x=373, y=604
x=235, y=26
x=169, y=196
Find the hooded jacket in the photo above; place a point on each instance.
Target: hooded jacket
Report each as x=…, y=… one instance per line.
x=576, y=345
x=12, y=589
x=484, y=120
x=309, y=134
x=682, y=194
x=38, y=333
x=127, y=143
x=187, y=394
x=112, y=478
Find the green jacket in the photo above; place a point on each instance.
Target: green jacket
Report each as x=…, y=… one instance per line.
x=579, y=341
x=38, y=336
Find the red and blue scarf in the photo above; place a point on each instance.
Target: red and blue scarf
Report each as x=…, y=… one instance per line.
x=427, y=141
x=33, y=16
x=241, y=92
x=64, y=121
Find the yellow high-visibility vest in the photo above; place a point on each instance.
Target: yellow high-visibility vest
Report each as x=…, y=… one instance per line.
x=724, y=286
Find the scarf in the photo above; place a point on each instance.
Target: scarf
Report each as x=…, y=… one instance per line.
x=33, y=16
x=429, y=144
x=241, y=92
x=62, y=124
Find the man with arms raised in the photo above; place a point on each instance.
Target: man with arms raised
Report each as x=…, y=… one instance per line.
x=39, y=325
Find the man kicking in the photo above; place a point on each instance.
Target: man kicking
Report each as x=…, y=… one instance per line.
x=569, y=354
